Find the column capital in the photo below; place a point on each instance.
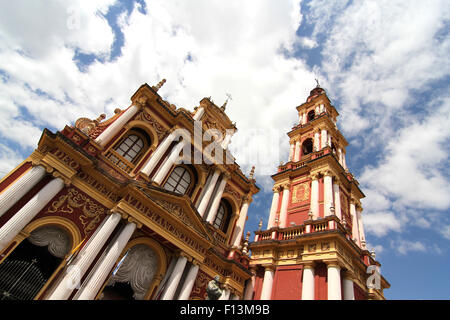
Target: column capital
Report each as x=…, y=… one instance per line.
x=332, y=263
x=308, y=264
x=247, y=198
x=269, y=267
x=195, y=262
x=315, y=175
x=135, y=221
x=285, y=186
x=350, y=275
x=328, y=173
x=140, y=102
x=185, y=255
x=276, y=189
x=226, y=175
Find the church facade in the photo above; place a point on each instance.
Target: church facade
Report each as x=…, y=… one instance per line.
x=106, y=209
x=314, y=246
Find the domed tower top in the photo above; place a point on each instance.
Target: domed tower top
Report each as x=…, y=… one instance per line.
x=315, y=92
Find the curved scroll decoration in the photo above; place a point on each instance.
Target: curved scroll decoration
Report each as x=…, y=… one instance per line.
x=138, y=269
x=58, y=242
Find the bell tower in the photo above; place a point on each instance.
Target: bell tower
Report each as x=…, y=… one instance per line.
x=314, y=245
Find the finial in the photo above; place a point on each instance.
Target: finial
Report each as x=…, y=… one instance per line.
x=247, y=237
x=159, y=85
x=252, y=173
x=100, y=118
x=226, y=101
x=332, y=210
x=310, y=215
x=372, y=253
x=318, y=85
x=260, y=224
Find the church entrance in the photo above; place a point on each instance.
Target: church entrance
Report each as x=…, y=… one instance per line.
x=26, y=270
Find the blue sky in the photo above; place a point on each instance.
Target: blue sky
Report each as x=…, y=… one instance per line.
x=384, y=65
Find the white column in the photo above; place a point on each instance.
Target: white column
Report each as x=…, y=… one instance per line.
x=158, y=154
x=115, y=127
x=343, y=161
x=284, y=206
x=292, y=152
x=327, y=193
x=347, y=284
x=225, y=294
x=334, y=282
x=250, y=287
x=362, y=237
x=216, y=200
x=84, y=259
x=266, y=291
x=20, y=187
x=297, y=151
x=337, y=200
x=324, y=139
x=355, y=229
x=103, y=270
x=170, y=161
x=317, y=141
x=340, y=156
x=189, y=282
x=199, y=113
x=273, y=208
x=322, y=108
x=314, y=206
x=308, y=283
x=329, y=140
x=208, y=193
x=240, y=224
x=304, y=118
x=174, y=279
x=22, y=217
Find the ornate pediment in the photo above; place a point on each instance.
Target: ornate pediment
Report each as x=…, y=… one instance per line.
x=178, y=207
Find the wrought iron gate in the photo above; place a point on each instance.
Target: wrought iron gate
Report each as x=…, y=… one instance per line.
x=20, y=280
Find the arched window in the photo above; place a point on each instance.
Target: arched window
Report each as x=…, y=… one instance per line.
x=179, y=180
x=311, y=115
x=307, y=146
x=223, y=216
x=130, y=147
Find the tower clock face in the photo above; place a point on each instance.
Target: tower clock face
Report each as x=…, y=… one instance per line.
x=300, y=192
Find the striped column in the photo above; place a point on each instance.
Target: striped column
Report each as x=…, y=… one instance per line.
x=22, y=217
x=113, y=129
x=158, y=154
x=189, y=282
x=211, y=216
x=208, y=193
x=20, y=187
x=308, y=282
x=175, y=277
x=102, y=271
x=84, y=259
x=266, y=291
x=240, y=224
x=273, y=208
x=314, y=206
x=284, y=206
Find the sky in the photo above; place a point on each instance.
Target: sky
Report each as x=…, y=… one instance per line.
x=384, y=64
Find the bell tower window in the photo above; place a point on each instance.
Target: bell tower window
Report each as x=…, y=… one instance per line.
x=307, y=146
x=311, y=115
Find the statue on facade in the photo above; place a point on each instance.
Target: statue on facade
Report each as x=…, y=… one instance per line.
x=213, y=289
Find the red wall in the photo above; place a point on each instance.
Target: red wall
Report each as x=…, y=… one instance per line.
x=320, y=282
x=288, y=283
